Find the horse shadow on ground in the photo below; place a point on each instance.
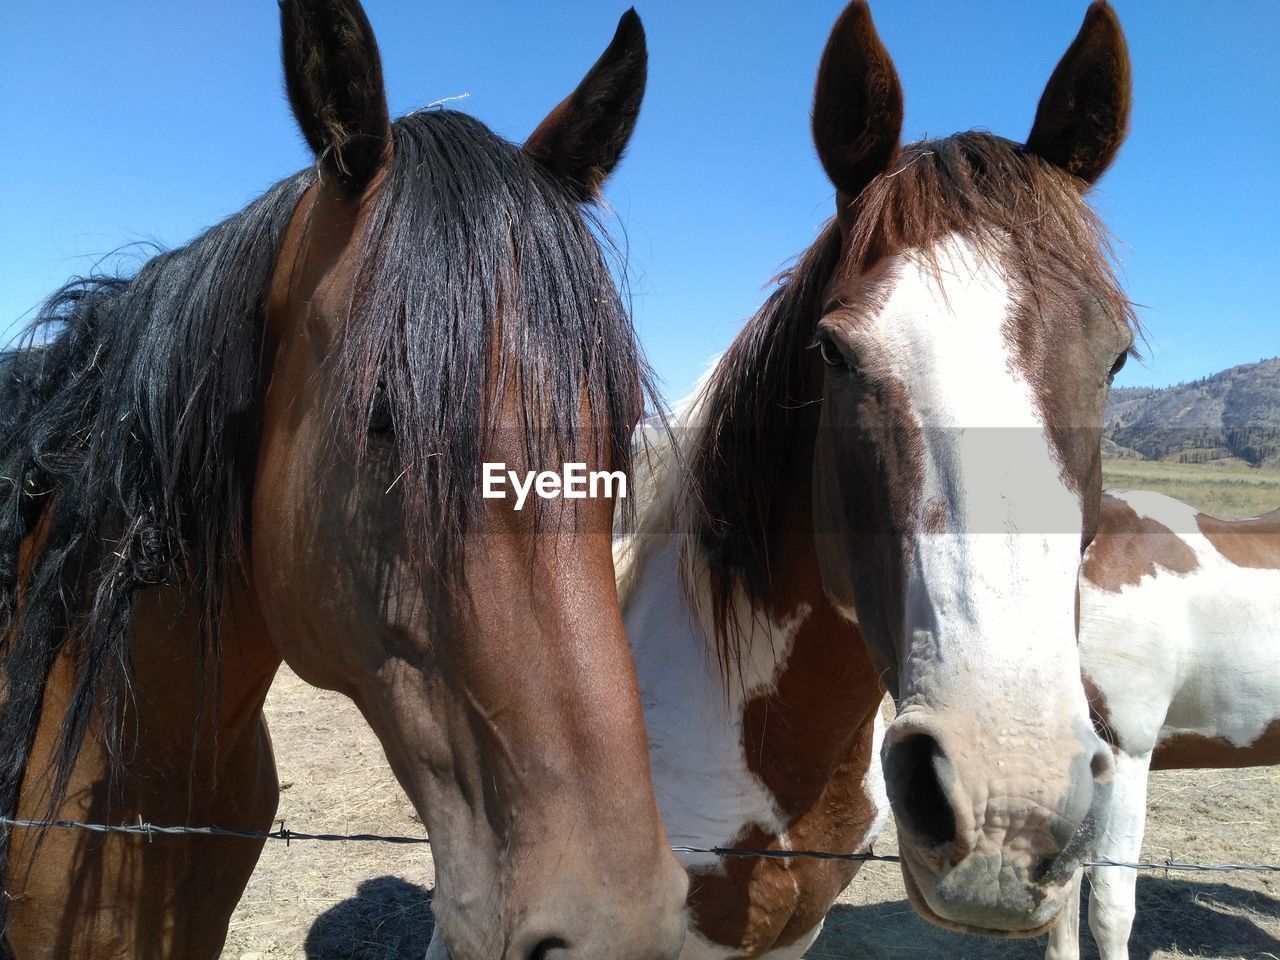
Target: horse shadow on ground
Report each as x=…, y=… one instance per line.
x=1195, y=919
x=390, y=919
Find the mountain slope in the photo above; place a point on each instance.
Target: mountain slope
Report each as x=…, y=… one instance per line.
x=1232, y=414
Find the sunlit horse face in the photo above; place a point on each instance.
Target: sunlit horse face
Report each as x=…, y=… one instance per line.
x=969, y=337
x=494, y=669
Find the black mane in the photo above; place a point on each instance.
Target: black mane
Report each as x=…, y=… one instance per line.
x=129, y=418
x=128, y=436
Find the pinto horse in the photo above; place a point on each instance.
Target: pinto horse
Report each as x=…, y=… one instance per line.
x=889, y=476
x=267, y=444
x=1180, y=649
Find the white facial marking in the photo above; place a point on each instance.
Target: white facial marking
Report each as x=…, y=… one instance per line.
x=996, y=585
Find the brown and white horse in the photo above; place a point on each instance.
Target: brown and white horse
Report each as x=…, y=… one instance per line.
x=1180, y=647
x=268, y=443
x=905, y=501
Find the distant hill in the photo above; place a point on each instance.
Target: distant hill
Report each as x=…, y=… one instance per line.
x=1234, y=414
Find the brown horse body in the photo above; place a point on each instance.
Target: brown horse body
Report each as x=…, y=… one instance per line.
x=91, y=895
x=286, y=422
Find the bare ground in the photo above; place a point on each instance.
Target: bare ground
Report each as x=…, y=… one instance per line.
x=343, y=901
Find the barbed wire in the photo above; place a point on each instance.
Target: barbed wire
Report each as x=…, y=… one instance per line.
x=868, y=857
x=151, y=830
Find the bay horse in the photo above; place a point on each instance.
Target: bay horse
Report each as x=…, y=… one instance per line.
x=1180, y=650
x=889, y=477
x=267, y=444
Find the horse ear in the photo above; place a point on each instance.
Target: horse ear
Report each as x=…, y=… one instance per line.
x=857, y=104
x=582, y=139
x=1084, y=112
x=333, y=75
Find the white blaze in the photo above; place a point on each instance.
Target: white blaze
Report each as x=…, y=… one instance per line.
x=990, y=595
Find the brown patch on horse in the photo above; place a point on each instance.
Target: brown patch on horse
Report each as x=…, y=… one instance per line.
x=755, y=905
x=870, y=496
x=1194, y=751
x=809, y=742
x=1129, y=547
x=1100, y=713
x=888, y=436
x=794, y=736
x=748, y=924
x=1246, y=543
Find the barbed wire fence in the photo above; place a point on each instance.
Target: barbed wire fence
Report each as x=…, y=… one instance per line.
x=287, y=835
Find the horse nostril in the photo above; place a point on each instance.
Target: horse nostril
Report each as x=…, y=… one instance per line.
x=1103, y=765
x=549, y=949
x=912, y=777
x=1043, y=869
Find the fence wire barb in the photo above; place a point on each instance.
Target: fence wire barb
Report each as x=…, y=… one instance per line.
x=150, y=831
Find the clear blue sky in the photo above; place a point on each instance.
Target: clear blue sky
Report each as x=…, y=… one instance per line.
x=141, y=119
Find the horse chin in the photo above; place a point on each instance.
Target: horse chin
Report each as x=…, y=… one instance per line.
x=916, y=897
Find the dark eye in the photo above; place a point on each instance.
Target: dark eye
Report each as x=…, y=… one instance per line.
x=1117, y=366
x=381, y=423
x=831, y=354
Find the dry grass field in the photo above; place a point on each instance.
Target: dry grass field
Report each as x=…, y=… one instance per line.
x=329, y=901
x=1228, y=490
x=337, y=901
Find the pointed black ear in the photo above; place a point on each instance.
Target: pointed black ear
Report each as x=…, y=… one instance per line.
x=1084, y=112
x=334, y=77
x=857, y=104
x=582, y=139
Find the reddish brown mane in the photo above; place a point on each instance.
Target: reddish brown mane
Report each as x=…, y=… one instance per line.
x=749, y=444
x=1014, y=207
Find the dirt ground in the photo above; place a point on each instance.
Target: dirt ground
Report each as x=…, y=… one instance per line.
x=341, y=901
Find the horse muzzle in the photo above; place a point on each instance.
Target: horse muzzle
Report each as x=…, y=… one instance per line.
x=991, y=840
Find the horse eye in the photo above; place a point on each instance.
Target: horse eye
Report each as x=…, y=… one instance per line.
x=831, y=354
x=1117, y=366
x=380, y=420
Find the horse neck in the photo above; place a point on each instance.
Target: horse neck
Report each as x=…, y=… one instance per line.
x=226, y=695
x=193, y=724
x=824, y=694
x=782, y=718
x=195, y=752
